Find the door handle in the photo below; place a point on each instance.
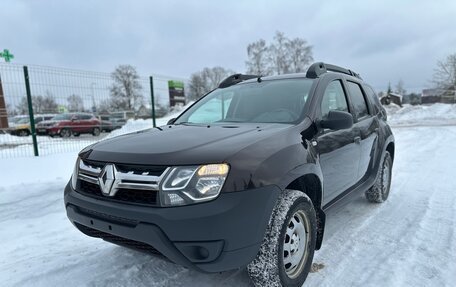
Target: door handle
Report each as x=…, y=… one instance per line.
x=357, y=140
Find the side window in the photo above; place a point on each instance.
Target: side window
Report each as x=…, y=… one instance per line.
x=358, y=100
x=371, y=93
x=334, y=99
x=84, y=117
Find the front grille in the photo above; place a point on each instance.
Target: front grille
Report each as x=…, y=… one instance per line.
x=146, y=197
x=134, y=184
x=118, y=240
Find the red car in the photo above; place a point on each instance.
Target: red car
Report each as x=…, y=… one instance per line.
x=65, y=125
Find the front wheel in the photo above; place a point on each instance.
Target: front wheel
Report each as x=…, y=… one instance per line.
x=96, y=132
x=23, y=133
x=65, y=133
x=286, y=254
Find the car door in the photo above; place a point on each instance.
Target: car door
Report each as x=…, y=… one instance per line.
x=339, y=153
x=76, y=123
x=86, y=123
x=366, y=125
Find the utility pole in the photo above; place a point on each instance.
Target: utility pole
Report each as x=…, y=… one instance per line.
x=3, y=111
x=94, y=107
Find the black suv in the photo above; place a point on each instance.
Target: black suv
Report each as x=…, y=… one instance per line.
x=243, y=177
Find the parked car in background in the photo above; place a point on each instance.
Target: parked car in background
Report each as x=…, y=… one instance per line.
x=126, y=115
x=15, y=119
x=21, y=127
x=119, y=119
x=118, y=123
x=106, y=124
x=68, y=124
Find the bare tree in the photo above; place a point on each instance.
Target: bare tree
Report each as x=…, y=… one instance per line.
x=206, y=80
x=126, y=89
x=300, y=55
x=40, y=104
x=197, y=87
x=257, y=63
x=445, y=73
x=281, y=57
x=104, y=106
x=75, y=103
x=278, y=54
x=400, y=88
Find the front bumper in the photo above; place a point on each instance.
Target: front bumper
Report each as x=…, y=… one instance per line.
x=42, y=130
x=215, y=236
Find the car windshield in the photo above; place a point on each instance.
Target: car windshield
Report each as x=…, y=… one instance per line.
x=23, y=121
x=62, y=117
x=276, y=101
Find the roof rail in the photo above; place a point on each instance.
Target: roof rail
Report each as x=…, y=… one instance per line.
x=319, y=68
x=234, y=79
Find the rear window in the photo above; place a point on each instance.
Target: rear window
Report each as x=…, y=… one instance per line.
x=358, y=100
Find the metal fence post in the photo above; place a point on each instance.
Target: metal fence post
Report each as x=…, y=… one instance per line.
x=152, y=99
x=30, y=109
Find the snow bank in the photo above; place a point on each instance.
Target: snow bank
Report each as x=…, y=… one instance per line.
x=138, y=125
x=421, y=114
x=7, y=139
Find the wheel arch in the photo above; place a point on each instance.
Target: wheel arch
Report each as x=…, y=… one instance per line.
x=311, y=184
x=390, y=149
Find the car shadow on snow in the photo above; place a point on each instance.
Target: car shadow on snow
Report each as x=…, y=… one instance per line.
x=128, y=267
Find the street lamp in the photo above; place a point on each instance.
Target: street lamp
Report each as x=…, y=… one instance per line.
x=94, y=107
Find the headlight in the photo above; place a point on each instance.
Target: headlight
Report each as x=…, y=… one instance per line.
x=192, y=184
x=74, y=177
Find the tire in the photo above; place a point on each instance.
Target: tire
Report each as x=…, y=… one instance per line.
x=23, y=133
x=379, y=192
x=96, y=132
x=65, y=133
x=76, y=134
x=293, y=214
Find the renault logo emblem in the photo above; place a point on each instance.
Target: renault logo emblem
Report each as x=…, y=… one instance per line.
x=107, y=180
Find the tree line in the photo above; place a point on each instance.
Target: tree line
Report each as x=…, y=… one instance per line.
x=281, y=56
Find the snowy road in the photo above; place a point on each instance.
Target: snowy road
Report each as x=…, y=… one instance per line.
x=408, y=241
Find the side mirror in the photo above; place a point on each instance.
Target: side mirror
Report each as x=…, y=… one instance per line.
x=171, y=121
x=73, y=118
x=337, y=120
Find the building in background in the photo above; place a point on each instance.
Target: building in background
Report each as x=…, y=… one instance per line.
x=391, y=98
x=430, y=96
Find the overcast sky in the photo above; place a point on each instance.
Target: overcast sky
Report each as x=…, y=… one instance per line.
x=383, y=41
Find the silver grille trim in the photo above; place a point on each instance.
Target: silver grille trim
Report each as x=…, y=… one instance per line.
x=123, y=180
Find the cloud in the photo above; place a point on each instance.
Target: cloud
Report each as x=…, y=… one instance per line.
x=384, y=41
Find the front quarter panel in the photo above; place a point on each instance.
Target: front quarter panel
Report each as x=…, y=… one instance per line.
x=276, y=160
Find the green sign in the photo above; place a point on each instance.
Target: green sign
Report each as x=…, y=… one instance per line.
x=6, y=55
x=176, y=93
x=176, y=84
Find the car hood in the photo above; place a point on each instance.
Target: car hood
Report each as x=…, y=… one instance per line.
x=181, y=144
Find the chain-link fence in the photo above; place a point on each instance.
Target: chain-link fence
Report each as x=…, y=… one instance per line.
x=45, y=110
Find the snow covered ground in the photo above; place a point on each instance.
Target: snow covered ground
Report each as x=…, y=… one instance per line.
x=408, y=241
